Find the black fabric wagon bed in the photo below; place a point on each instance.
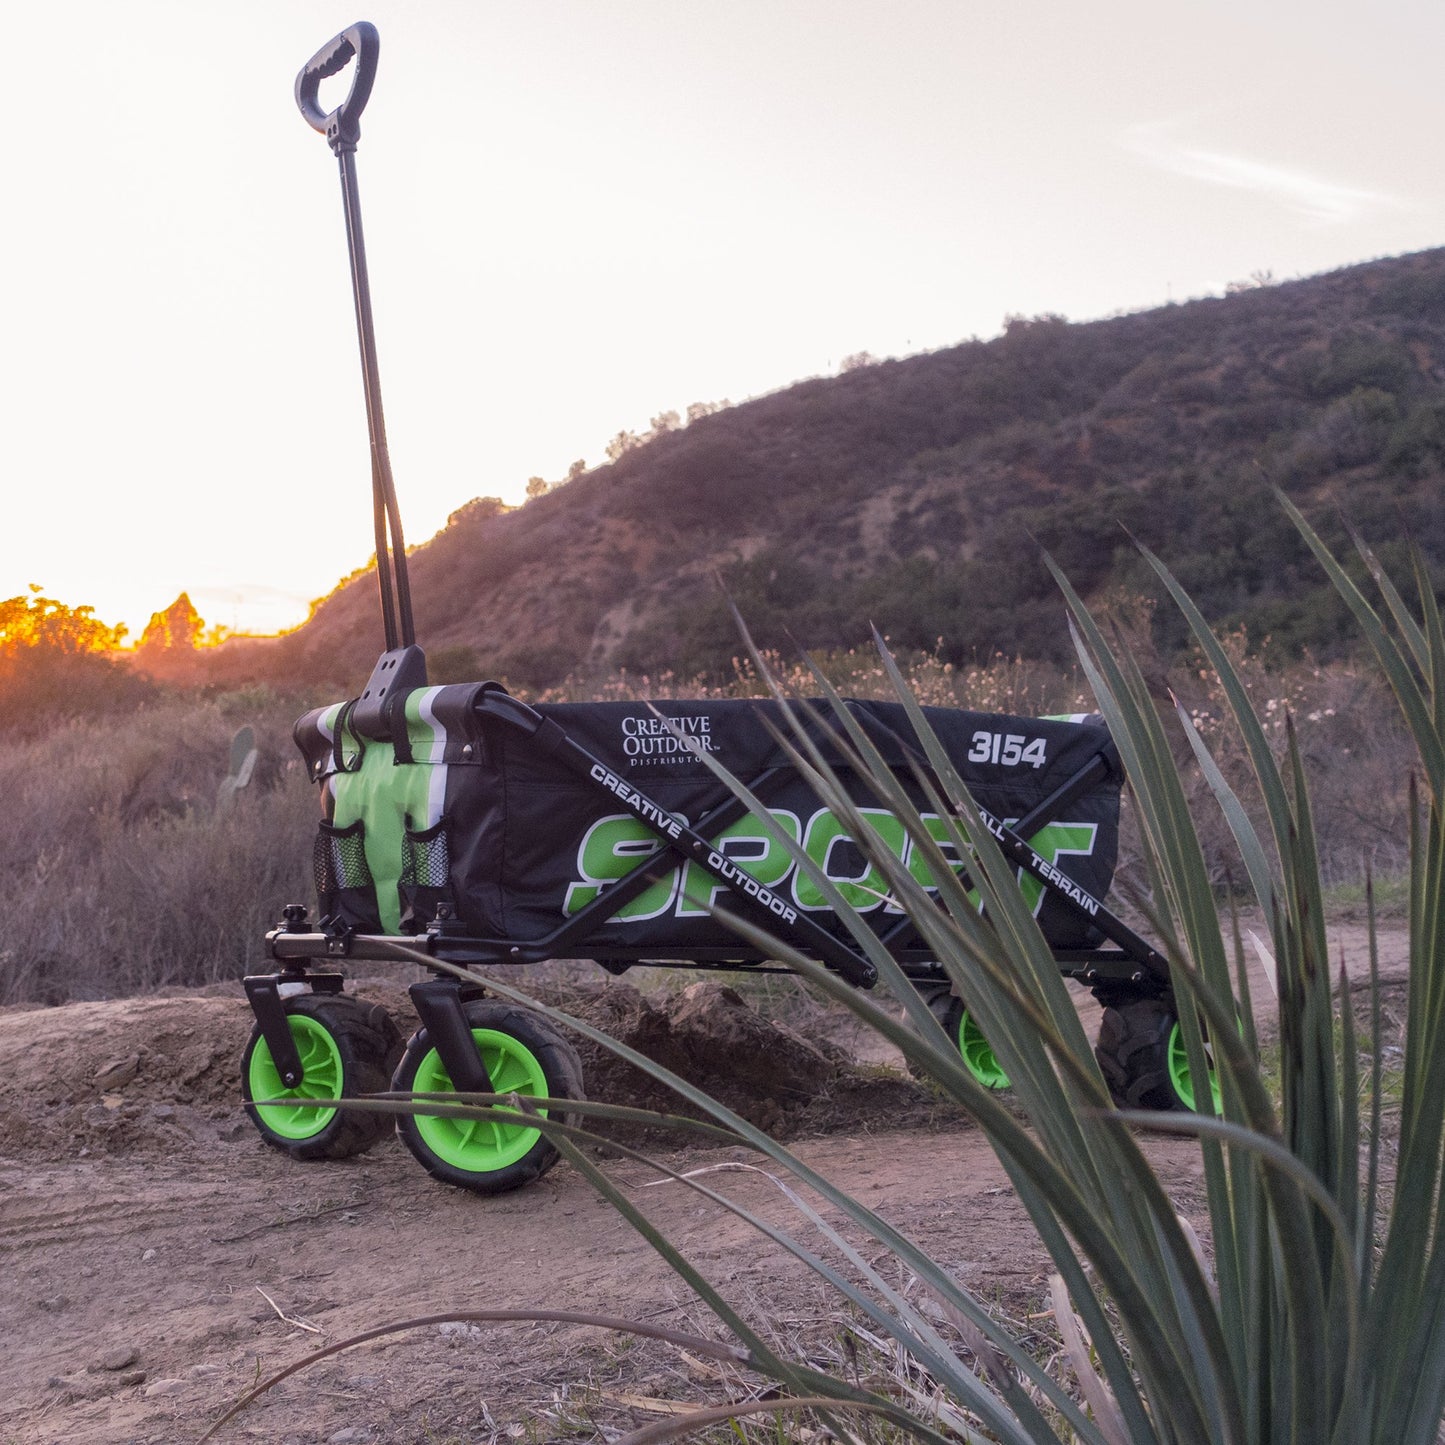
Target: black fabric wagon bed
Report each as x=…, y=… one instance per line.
x=552, y=825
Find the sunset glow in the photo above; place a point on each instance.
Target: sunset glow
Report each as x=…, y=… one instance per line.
x=582, y=215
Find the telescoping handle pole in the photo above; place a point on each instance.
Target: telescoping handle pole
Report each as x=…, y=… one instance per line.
x=342, y=129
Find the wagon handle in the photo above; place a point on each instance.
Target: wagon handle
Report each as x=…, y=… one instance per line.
x=342, y=127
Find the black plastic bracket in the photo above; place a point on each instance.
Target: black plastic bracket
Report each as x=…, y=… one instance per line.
x=396, y=672
x=438, y=1003
x=263, y=993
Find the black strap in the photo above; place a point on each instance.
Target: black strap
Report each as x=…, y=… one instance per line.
x=394, y=711
x=338, y=753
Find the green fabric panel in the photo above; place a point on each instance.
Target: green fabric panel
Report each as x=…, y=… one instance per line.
x=383, y=795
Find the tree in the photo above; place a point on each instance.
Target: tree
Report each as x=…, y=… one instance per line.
x=537, y=487
x=621, y=444
x=43, y=624
x=56, y=661
x=576, y=469
x=179, y=627
x=1255, y=280
x=477, y=510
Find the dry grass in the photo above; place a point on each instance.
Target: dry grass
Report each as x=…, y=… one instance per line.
x=1027, y=689
x=1356, y=753
x=124, y=875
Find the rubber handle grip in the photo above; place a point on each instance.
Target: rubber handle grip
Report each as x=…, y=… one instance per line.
x=342, y=126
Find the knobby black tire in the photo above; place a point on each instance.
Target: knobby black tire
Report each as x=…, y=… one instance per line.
x=369, y=1044
x=561, y=1069
x=1133, y=1053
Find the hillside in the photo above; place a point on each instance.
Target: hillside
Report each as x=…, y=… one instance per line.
x=919, y=494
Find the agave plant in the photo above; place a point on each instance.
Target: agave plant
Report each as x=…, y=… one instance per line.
x=1322, y=1318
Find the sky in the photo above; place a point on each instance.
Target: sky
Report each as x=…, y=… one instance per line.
x=582, y=213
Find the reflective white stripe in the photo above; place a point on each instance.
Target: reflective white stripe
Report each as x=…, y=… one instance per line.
x=436, y=793
x=326, y=723
x=326, y=726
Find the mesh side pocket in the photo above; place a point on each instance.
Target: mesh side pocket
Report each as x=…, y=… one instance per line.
x=426, y=872
x=344, y=887
x=338, y=858
x=428, y=860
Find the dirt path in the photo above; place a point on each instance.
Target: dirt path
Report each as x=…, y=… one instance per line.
x=156, y=1258
x=121, y=1267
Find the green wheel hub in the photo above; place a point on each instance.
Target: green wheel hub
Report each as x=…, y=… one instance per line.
x=322, y=1079
x=482, y=1145
x=1181, y=1078
x=978, y=1054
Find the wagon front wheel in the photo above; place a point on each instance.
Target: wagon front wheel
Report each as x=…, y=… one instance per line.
x=488, y=1153
x=347, y=1048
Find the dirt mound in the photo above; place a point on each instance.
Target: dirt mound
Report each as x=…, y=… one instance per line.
x=121, y=1075
x=761, y=1069
x=160, y=1075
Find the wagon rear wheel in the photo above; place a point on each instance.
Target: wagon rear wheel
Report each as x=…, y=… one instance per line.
x=1145, y=1063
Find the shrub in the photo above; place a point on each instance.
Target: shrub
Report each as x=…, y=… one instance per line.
x=123, y=874
x=55, y=661
x=1318, y=1313
x=1417, y=443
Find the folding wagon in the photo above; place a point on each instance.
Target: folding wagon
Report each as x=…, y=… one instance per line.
x=485, y=833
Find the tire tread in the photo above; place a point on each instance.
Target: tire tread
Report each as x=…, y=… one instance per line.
x=1133, y=1053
